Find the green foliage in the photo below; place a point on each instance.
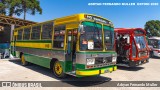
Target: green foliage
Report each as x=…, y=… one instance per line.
x=152, y=28
x=18, y=7
x=2, y=7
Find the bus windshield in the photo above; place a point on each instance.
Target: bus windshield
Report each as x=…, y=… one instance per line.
x=108, y=38
x=156, y=44
x=140, y=42
x=91, y=36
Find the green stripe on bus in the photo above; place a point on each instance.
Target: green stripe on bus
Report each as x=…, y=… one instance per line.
x=108, y=28
x=98, y=25
x=35, y=41
x=108, y=52
x=68, y=65
x=43, y=49
x=45, y=62
x=92, y=24
x=80, y=66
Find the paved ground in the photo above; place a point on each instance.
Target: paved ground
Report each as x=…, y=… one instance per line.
x=11, y=70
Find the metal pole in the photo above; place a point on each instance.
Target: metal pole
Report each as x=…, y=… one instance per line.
x=11, y=38
x=11, y=34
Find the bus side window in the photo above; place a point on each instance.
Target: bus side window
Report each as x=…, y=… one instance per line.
x=19, y=37
x=26, y=34
x=36, y=32
x=47, y=30
x=59, y=33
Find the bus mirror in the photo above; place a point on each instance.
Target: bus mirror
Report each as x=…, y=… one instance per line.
x=81, y=28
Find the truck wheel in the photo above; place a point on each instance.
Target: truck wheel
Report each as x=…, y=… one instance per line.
x=58, y=70
x=23, y=61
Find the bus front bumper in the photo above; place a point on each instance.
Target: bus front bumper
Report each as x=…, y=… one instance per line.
x=138, y=62
x=92, y=72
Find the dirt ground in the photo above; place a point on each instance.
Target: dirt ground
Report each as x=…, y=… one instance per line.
x=12, y=70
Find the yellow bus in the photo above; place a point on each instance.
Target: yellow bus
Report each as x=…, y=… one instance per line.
x=79, y=45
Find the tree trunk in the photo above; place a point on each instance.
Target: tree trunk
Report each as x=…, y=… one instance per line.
x=24, y=7
x=11, y=12
x=24, y=14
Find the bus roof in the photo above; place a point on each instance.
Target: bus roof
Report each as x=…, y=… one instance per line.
x=157, y=38
x=128, y=29
x=81, y=14
x=70, y=18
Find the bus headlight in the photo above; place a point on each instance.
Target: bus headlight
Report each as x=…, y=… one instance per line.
x=90, y=61
x=114, y=59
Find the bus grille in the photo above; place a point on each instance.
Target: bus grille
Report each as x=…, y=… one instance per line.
x=101, y=60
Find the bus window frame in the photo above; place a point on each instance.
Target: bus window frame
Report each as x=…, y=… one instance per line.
x=137, y=49
x=64, y=41
x=36, y=25
x=29, y=33
x=144, y=40
x=21, y=29
x=51, y=32
x=72, y=34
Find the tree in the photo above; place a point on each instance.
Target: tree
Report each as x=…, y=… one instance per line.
x=8, y=8
x=2, y=7
x=30, y=6
x=18, y=7
x=152, y=28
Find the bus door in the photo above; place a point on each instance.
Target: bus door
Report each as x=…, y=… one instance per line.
x=123, y=47
x=71, y=46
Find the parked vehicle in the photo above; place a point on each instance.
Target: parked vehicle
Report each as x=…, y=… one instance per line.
x=131, y=47
x=79, y=45
x=4, y=50
x=154, y=44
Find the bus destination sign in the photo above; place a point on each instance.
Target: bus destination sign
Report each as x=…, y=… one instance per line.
x=98, y=19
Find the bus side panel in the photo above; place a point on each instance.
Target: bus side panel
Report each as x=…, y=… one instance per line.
x=43, y=57
x=45, y=62
x=68, y=65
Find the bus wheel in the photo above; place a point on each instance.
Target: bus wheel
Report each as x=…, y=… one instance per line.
x=58, y=70
x=23, y=61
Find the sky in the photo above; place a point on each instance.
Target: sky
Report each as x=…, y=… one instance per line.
x=121, y=16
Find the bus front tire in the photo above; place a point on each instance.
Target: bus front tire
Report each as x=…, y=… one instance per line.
x=58, y=70
x=23, y=61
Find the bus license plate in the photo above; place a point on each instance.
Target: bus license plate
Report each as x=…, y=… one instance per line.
x=106, y=71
